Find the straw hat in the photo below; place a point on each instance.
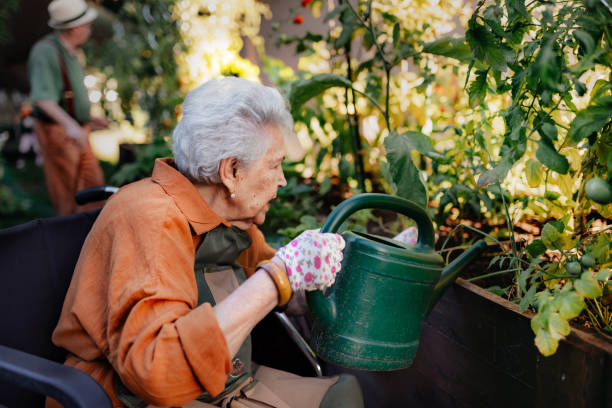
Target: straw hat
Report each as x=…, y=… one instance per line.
x=70, y=13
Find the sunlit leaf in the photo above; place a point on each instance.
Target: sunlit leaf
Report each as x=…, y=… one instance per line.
x=570, y=304
x=496, y=174
x=450, y=47
x=304, y=89
x=558, y=326
x=603, y=275
x=545, y=343
x=422, y=143
x=533, y=172
x=403, y=172
x=588, y=286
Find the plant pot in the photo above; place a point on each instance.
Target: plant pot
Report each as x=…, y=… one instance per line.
x=477, y=350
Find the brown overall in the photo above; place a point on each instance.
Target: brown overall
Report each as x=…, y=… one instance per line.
x=68, y=167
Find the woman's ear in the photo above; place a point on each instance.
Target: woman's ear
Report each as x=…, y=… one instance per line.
x=228, y=172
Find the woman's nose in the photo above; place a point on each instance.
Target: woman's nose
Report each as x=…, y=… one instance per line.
x=282, y=182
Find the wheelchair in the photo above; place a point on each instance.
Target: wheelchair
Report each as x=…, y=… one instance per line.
x=38, y=259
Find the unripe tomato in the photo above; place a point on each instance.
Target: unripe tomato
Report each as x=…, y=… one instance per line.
x=573, y=268
x=587, y=260
x=599, y=190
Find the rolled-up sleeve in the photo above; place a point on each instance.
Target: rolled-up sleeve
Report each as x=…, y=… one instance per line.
x=257, y=252
x=44, y=74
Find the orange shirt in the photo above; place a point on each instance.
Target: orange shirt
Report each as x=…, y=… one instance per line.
x=132, y=304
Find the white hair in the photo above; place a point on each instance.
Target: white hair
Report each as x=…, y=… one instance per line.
x=225, y=118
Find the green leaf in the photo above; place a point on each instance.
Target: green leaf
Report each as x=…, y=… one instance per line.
x=478, y=88
x=349, y=22
x=529, y=298
x=492, y=18
x=403, y=172
x=589, y=120
x=539, y=322
x=536, y=248
x=304, y=89
x=514, y=121
x=496, y=58
x=546, y=343
x=422, y=143
x=570, y=304
x=588, y=286
x=533, y=172
x=516, y=11
x=585, y=40
x=549, y=157
x=550, y=236
x=496, y=174
x=456, y=48
x=335, y=12
x=396, y=35
x=479, y=39
x=549, y=67
x=603, y=275
x=558, y=326
x=523, y=278
x=548, y=130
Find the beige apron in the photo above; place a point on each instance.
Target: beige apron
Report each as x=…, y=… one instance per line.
x=218, y=274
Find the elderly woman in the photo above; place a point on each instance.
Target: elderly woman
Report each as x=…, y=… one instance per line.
x=160, y=309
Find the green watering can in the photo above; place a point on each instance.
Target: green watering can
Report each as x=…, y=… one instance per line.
x=371, y=317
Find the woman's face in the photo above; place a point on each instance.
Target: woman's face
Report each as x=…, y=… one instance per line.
x=257, y=184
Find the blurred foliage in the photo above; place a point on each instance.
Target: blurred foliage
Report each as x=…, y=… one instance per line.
x=8, y=8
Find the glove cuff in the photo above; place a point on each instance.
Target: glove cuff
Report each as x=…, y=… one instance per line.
x=280, y=280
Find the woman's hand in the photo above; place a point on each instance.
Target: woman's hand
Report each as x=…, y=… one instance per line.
x=409, y=235
x=312, y=259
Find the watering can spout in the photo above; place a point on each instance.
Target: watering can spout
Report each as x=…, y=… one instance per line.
x=452, y=270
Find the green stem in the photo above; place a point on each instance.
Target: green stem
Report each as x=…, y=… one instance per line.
x=356, y=140
x=488, y=275
x=375, y=103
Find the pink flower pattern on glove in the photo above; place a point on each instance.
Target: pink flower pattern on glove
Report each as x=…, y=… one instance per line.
x=409, y=235
x=312, y=259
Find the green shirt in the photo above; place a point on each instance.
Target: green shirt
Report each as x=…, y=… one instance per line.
x=45, y=76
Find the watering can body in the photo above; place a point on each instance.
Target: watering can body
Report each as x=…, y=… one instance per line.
x=371, y=317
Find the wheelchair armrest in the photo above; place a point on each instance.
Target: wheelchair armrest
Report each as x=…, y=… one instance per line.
x=67, y=385
x=91, y=194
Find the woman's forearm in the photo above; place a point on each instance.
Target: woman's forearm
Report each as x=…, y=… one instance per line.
x=238, y=313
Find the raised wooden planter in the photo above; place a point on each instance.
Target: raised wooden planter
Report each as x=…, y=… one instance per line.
x=476, y=350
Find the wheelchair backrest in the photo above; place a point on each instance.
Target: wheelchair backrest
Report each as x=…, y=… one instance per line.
x=37, y=260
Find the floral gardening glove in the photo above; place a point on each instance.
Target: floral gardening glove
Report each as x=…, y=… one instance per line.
x=312, y=259
x=409, y=235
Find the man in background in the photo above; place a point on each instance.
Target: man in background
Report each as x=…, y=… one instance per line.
x=62, y=107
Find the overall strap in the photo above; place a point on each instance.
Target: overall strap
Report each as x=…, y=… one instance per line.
x=68, y=95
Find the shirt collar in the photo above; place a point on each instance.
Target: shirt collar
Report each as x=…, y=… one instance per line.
x=187, y=198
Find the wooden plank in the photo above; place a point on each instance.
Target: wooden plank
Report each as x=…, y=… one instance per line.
x=477, y=350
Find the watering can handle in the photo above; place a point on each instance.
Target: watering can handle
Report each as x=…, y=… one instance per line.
x=383, y=202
